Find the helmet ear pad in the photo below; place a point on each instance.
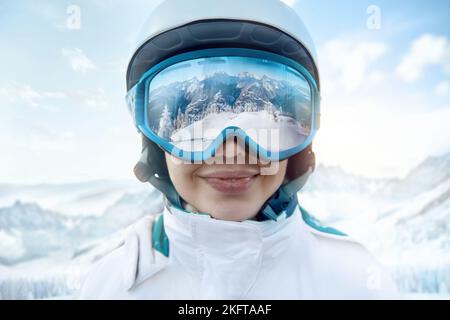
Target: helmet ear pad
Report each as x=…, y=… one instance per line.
x=299, y=163
x=152, y=162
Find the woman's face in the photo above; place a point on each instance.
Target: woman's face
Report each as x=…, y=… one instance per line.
x=233, y=185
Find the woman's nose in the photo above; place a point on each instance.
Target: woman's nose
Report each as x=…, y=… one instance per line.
x=234, y=151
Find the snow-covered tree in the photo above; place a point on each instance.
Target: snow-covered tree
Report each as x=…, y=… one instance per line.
x=165, y=123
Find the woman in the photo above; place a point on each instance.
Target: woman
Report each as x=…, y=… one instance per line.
x=226, y=97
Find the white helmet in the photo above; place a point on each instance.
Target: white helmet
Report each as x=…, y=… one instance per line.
x=180, y=26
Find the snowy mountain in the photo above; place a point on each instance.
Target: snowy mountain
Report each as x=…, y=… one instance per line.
x=27, y=231
x=423, y=217
x=44, y=253
x=334, y=195
x=404, y=222
x=28, y=217
x=82, y=198
x=128, y=209
x=432, y=172
x=188, y=101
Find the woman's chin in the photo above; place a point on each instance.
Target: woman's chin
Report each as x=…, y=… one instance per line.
x=236, y=211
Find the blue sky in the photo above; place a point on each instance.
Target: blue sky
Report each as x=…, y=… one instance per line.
x=385, y=91
x=202, y=68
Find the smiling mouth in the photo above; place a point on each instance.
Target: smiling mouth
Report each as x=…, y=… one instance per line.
x=231, y=184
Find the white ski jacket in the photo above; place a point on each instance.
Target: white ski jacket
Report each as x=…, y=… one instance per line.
x=181, y=255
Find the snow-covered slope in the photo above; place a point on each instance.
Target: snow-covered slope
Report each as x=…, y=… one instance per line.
x=428, y=175
x=83, y=198
x=404, y=222
x=27, y=231
x=44, y=253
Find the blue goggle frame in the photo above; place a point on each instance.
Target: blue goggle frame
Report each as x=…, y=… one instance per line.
x=138, y=95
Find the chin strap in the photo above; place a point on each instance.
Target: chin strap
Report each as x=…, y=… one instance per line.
x=284, y=199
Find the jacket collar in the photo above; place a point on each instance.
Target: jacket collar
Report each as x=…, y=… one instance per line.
x=228, y=254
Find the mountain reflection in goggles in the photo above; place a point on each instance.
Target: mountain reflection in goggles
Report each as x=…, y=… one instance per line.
x=190, y=103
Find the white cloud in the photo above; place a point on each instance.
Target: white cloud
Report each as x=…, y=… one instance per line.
x=78, y=60
x=376, y=77
x=345, y=64
x=290, y=2
x=426, y=50
x=443, y=88
x=119, y=66
x=60, y=142
x=370, y=125
x=95, y=98
x=16, y=92
x=27, y=94
x=372, y=137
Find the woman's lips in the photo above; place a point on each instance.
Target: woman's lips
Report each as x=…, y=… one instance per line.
x=231, y=185
x=231, y=182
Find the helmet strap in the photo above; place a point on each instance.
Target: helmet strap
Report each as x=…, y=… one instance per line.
x=284, y=199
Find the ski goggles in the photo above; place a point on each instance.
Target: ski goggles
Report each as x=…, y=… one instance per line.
x=190, y=104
